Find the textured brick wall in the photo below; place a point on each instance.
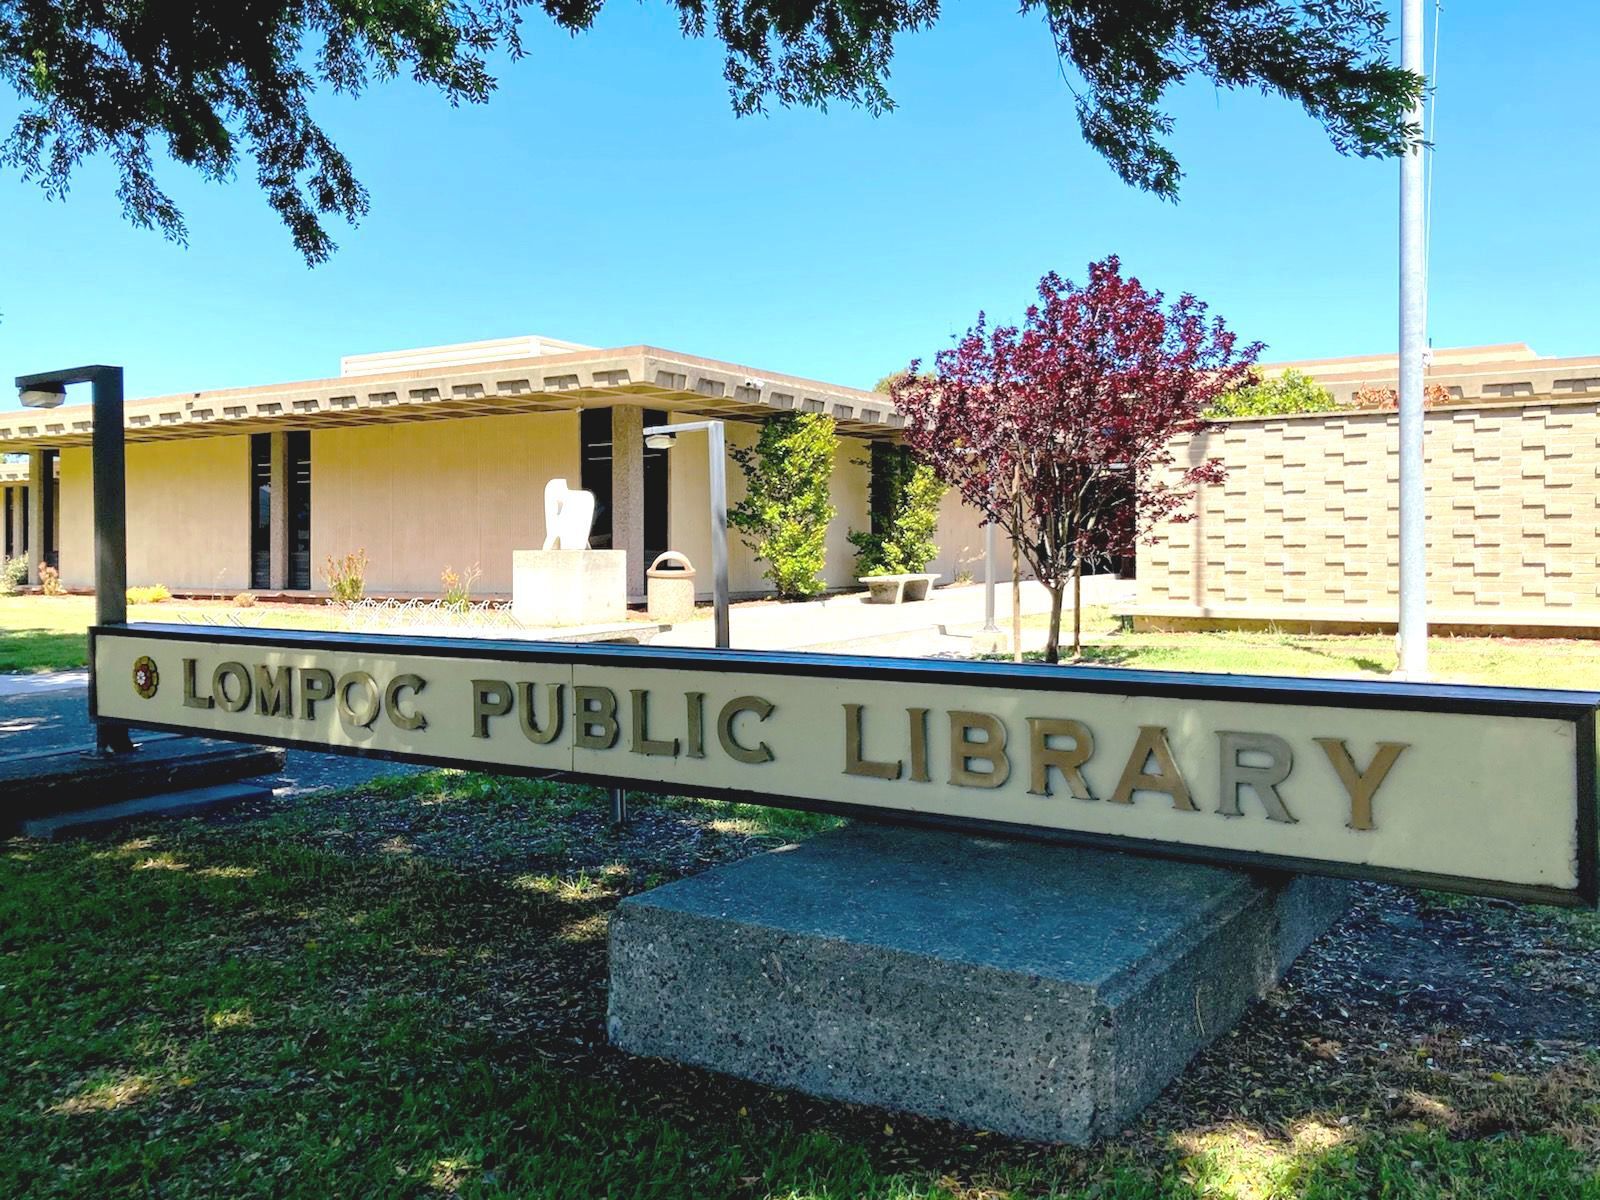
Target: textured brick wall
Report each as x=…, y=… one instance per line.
x=1308, y=515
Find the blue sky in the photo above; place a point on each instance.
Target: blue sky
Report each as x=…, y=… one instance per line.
x=608, y=195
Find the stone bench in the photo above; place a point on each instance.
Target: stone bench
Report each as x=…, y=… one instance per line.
x=897, y=589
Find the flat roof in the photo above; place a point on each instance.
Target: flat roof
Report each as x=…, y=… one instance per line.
x=1489, y=373
x=20, y=471
x=544, y=382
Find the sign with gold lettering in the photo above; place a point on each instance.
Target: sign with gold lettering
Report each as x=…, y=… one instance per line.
x=1487, y=790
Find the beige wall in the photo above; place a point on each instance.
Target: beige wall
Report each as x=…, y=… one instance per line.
x=419, y=497
x=77, y=519
x=188, y=515
x=850, y=493
x=1307, y=517
x=960, y=540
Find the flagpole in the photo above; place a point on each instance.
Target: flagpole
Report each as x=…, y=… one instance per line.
x=1413, y=636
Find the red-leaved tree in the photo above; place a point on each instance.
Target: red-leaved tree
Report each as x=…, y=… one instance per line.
x=1060, y=431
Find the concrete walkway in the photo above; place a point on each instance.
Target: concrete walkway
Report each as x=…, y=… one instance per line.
x=47, y=711
x=942, y=624
x=53, y=715
x=41, y=682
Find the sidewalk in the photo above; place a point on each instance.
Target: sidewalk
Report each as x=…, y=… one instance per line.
x=942, y=624
x=39, y=682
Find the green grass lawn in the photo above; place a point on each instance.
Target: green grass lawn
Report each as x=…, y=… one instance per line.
x=44, y=633
x=39, y=633
x=1513, y=662
x=50, y=633
x=400, y=992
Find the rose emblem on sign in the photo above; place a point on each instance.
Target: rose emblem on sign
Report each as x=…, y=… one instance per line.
x=146, y=679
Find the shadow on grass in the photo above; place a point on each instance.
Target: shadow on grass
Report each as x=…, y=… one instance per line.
x=1109, y=654
x=41, y=650
x=401, y=992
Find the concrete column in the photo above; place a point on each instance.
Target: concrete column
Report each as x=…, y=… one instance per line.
x=36, y=486
x=627, y=492
x=17, y=544
x=278, y=518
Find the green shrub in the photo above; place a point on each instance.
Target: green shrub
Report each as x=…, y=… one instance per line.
x=786, y=510
x=346, y=577
x=13, y=574
x=155, y=593
x=905, y=515
x=1291, y=392
x=245, y=600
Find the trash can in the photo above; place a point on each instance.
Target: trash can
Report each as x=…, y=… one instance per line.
x=669, y=588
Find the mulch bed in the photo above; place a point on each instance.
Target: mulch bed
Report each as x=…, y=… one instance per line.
x=1416, y=1011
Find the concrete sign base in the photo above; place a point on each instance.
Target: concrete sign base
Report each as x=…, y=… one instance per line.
x=1036, y=991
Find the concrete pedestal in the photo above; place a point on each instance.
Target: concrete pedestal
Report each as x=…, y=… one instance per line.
x=569, y=587
x=1039, y=991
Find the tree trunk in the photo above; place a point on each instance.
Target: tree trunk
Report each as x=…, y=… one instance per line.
x=1077, y=606
x=1016, y=563
x=1052, y=646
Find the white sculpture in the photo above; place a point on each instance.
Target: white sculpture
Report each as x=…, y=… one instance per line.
x=568, y=516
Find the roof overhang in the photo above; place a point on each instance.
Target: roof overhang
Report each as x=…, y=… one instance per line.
x=642, y=375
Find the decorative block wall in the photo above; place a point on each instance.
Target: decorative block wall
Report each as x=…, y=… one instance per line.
x=1308, y=516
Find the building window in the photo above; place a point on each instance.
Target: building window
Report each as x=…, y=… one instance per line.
x=595, y=431
x=889, y=465
x=47, y=535
x=656, y=492
x=261, y=510
x=22, y=499
x=299, y=455
x=11, y=509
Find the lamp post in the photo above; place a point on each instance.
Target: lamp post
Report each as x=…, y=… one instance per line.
x=989, y=639
x=48, y=389
x=664, y=437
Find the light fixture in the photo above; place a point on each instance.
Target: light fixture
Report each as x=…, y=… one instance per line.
x=661, y=441
x=43, y=395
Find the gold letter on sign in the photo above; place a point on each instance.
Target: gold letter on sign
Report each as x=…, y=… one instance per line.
x=1263, y=781
x=694, y=708
x=239, y=698
x=917, y=718
x=1069, y=761
x=371, y=699
x=854, y=764
x=530, y=722
x=1362, y=785
x=964, y=751
x=643, y=743
x=274, y=691
x=595, y=715
x=190, y=699
x=730, y=745
x=490, y=698
x=398, y=716
x=316, y=684
x=1167, y=778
